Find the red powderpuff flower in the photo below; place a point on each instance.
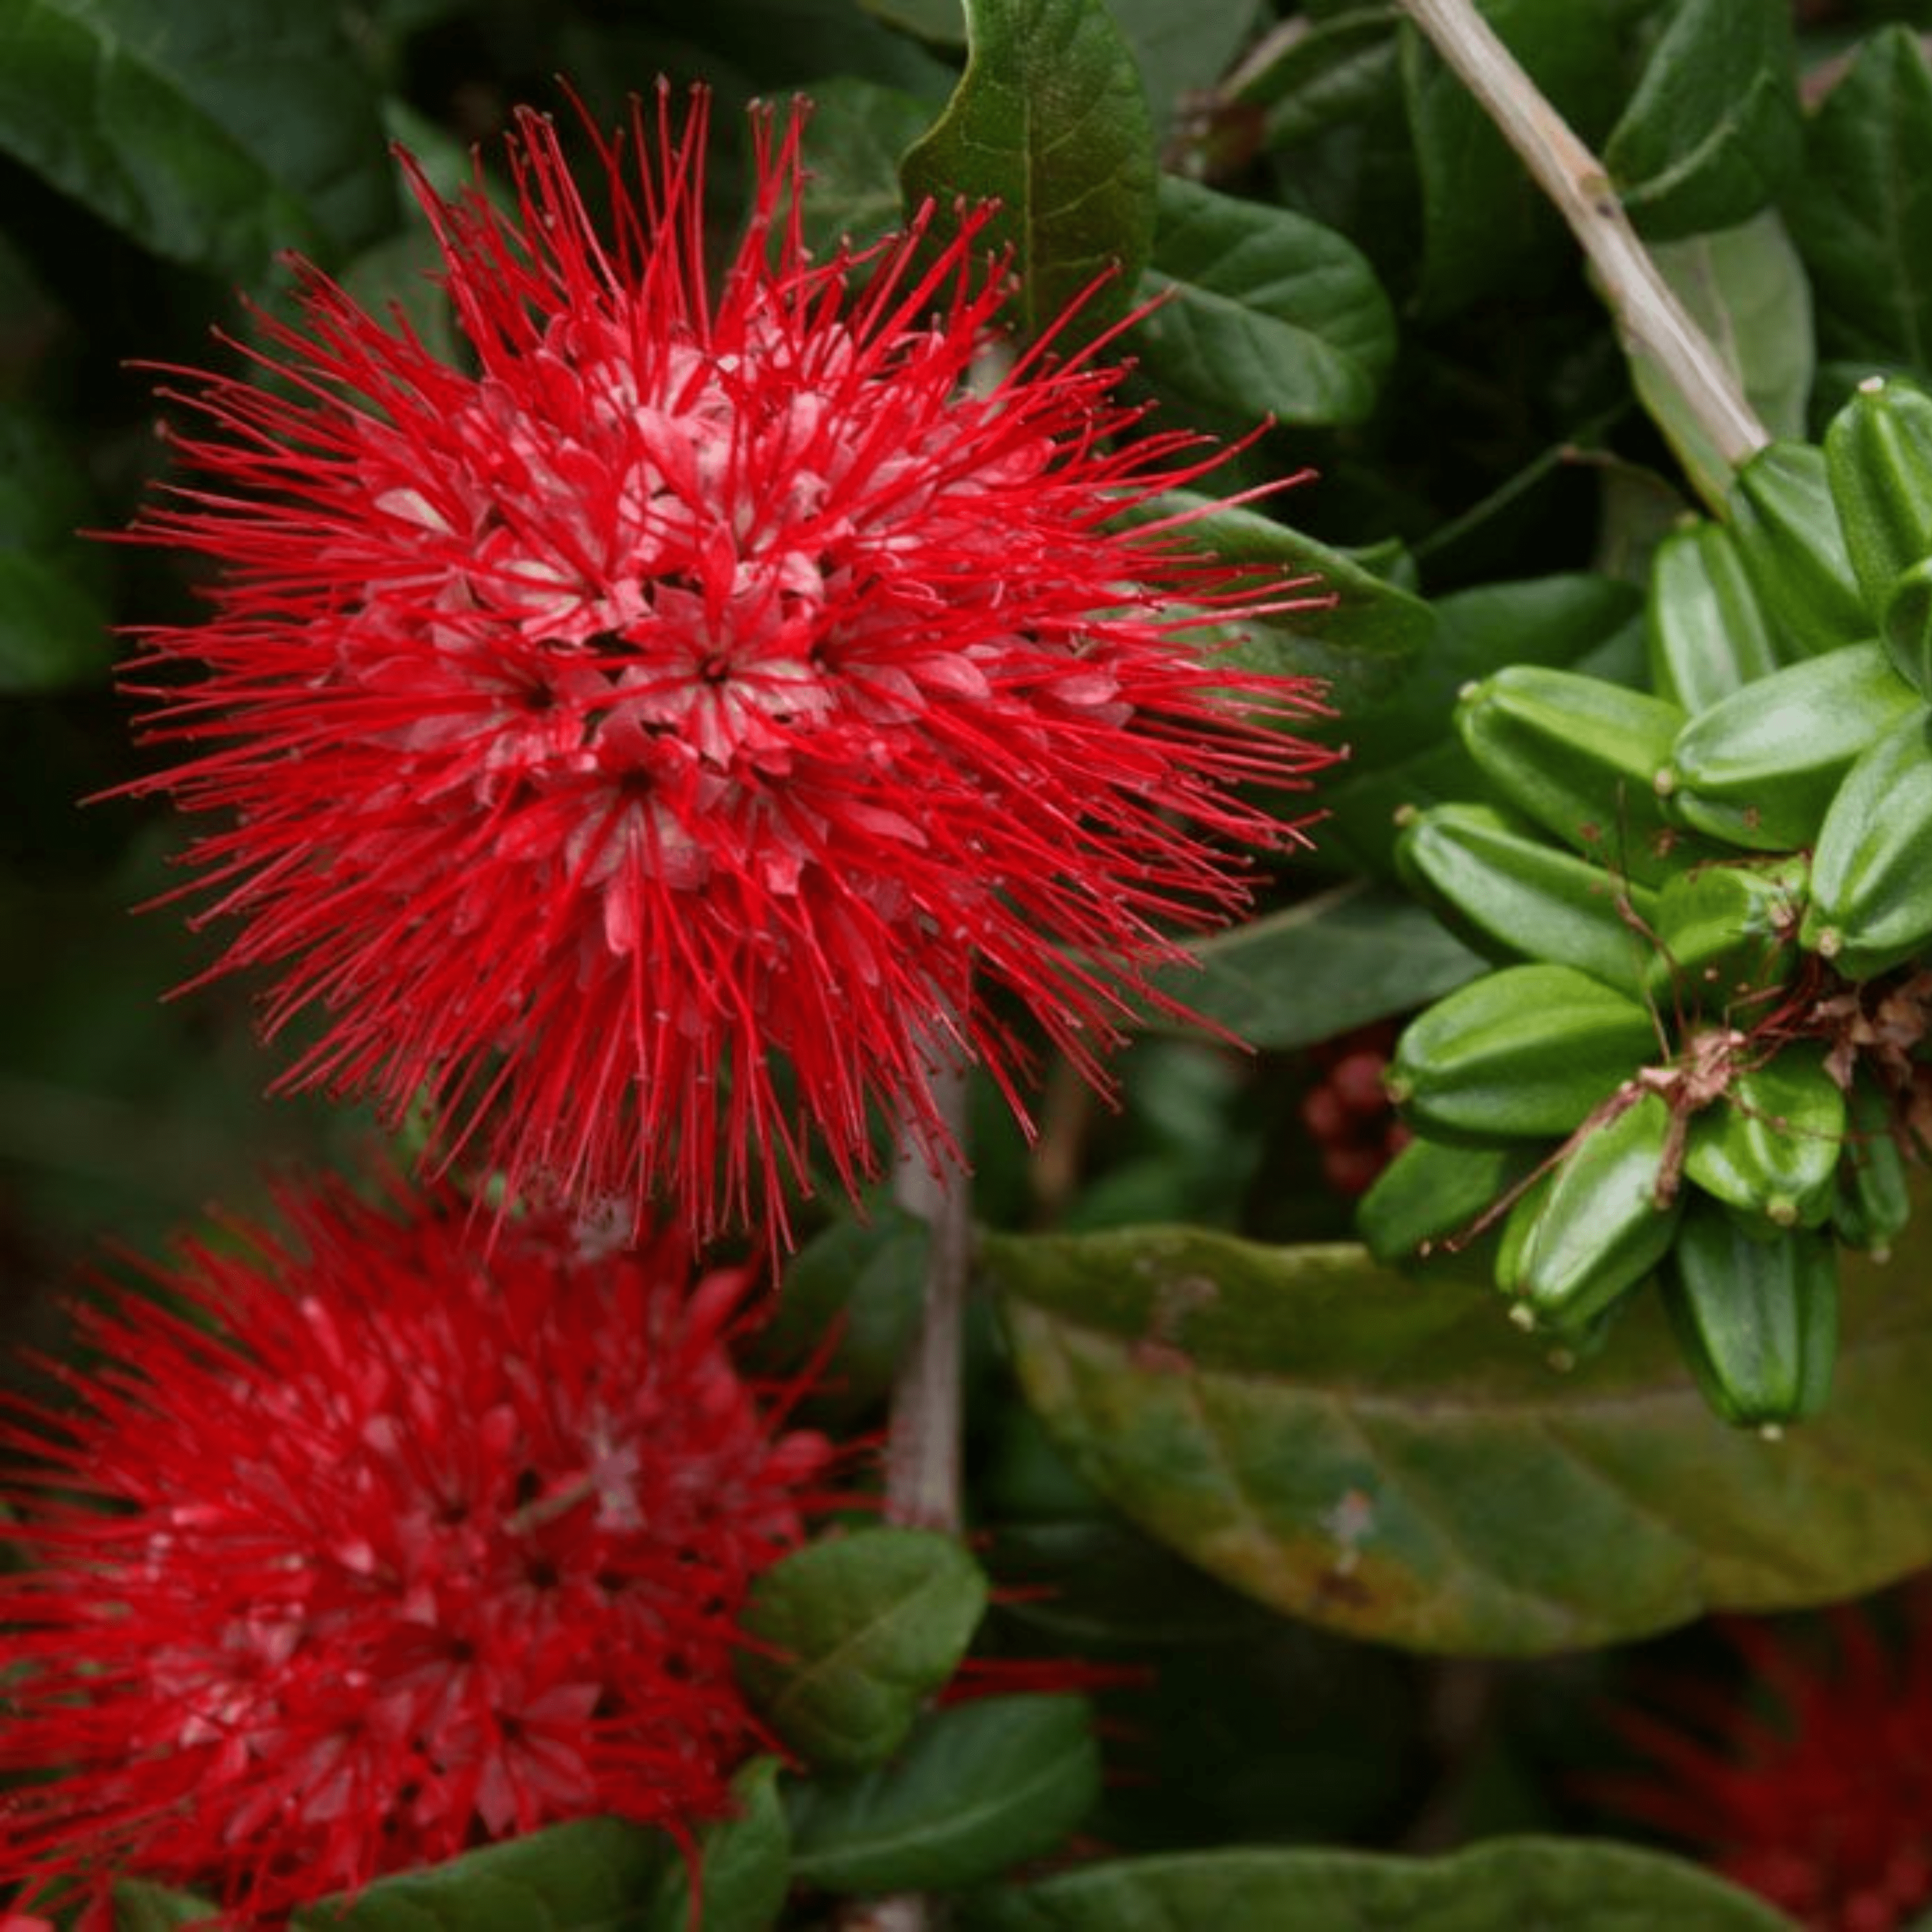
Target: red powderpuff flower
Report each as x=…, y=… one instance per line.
x=640, y=741
x=368, y=1546
x=1817, y=1793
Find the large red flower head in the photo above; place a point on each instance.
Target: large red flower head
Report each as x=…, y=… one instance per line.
x=367, y=1546
x=642, y=741
x=1819, y=1797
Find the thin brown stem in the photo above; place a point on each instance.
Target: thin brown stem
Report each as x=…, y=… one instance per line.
x=1654, y=325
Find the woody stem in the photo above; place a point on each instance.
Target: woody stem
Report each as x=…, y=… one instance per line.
x=923, y=1487
x=1656, y=329
x=922, y=1442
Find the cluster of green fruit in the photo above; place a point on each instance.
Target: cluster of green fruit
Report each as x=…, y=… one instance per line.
x=1703, y=1062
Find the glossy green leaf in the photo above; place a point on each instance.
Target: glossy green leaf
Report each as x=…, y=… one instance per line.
x=744, y=1866
x=1265, y=311
x=856, y=1284
x=853, y=1632
x=213, y=134
x=1328, y=108
x=1580, y=1884
x=979, y=1787
x=1713, y=129
x=1181, y=50
x=1338, y=960
x=1386, y=1454
x=1049, y=120
x=1860, y=208
x=140, y=1906
x=553, y=1880
x=854, y=141
x=1486, y=228
x=1747, y=290
x=1307, y=81
x=1362, y=644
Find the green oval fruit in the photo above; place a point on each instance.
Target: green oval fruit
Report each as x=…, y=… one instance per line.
x=1580, y=756
x=1607, y=1220
x=1771, y=1147
x=1509, y=889
x=1874, y=1200
x=1706, y=634
x=1871, y=871
x=1905, y=624
x=1781, y=513
x=1523, y=1053
x=1878, y=460
x=1431, y=1191
x=1518, y=1227
x=1757, y=1320
x=1760, y=768
x=1727, y=933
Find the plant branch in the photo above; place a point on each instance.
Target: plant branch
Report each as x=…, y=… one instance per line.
x=1654, y=325
x=922, y=1442
x=923, y=1481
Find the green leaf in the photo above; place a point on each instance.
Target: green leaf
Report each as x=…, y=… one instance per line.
x=1386, y=1454
x=941, y=22
x=1362, y=646
x=855, y=1630
x=1486, y=229
x=140, y=1906
x=1403, y=751
x=1181, y=50
x=1308, y=81
x=1713, y=127
x=854, y=141
x=1266, y=311
x=213, y=134
x=860, y=1282
x=1577, y=1884
x=979, y=1787
x=1860, y=208
x=1341, y=959
x=567, y=1877
x=1050, y=120
x=1564, y=619
x=1746, y=290
x=744, y=1866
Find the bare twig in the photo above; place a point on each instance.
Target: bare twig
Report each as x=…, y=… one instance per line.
x=922, y=1439
x=922, y=1456
x=1654, y=323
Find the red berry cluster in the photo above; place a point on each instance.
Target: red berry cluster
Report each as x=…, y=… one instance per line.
x=1348, y=1110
